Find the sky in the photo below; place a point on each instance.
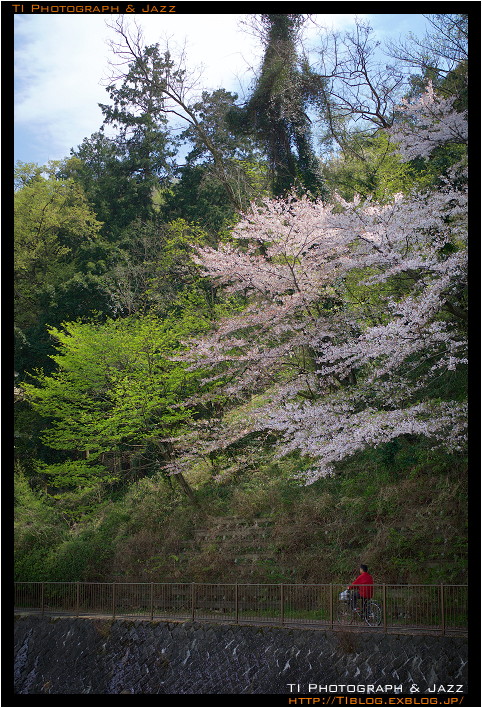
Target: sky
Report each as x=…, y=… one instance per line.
x=61, y=65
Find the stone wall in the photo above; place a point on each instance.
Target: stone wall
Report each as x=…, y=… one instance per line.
x=101, y=656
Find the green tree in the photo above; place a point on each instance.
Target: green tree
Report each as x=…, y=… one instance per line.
x=145, y=143
x=198, y=197
x=212, y=112
x=57, y=257
x=154, y=266
x=52, y=220
x=97, y=164
x=116, y=393
x=199, y=194
x=37, y=528
x=368, y=165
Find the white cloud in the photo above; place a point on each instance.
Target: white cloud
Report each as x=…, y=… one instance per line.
x=61, y=61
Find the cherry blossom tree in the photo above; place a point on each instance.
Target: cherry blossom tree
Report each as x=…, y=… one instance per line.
x=354, y=312
x=431, y=122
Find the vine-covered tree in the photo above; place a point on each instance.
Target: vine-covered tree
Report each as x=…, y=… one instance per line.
x=276, y=112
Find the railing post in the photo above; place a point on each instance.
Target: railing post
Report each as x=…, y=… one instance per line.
x=236, y=603
x=282, y=602
x=442, y=607
x=193, y=601
x=384, y=604
x=331, y=605
x=77, y=599
x=113, y=600
x=152, y=601
x=42, y=598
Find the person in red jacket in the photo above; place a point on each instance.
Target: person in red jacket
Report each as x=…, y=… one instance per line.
x=362, y=587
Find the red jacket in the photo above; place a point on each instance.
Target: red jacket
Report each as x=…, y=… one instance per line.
x=364, y=583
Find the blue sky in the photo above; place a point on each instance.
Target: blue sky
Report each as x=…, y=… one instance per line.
x=61, y=62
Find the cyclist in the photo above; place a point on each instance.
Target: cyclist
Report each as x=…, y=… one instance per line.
x=362, y=587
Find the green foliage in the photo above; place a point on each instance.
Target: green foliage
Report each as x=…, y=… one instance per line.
x=114, y=383
x=200, y=193
x=370, y=167
x=77, y=555
x=52, y=222
x=199, y=197
x=427, y=173
x=103, y=269
x=400, y=509
x=108, y=183
x=25, y=173
x=59, y=258
x=121, y=173
x=72, y=473
x=37, y=528
x=212, y=113
x=28, y=426
x=51, y=219
x=154, y=266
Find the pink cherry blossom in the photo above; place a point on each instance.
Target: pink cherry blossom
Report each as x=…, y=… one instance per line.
x=429, y=122
x=354, y=310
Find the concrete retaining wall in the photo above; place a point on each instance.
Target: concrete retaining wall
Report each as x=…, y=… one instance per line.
x=86, y=655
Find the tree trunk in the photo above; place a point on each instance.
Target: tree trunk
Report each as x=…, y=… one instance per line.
x=186, y=488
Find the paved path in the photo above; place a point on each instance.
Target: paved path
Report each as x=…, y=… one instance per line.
x=290, y=624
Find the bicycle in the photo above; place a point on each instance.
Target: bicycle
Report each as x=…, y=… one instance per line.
x=348, y=613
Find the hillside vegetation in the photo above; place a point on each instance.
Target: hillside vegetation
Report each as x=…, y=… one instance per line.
x=398, y=509
x=253, y=367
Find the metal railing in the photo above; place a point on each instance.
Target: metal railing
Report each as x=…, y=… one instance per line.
x=424, y=608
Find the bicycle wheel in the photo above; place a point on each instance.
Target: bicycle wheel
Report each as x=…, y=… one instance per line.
x=373, y=615
x=344, y=613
